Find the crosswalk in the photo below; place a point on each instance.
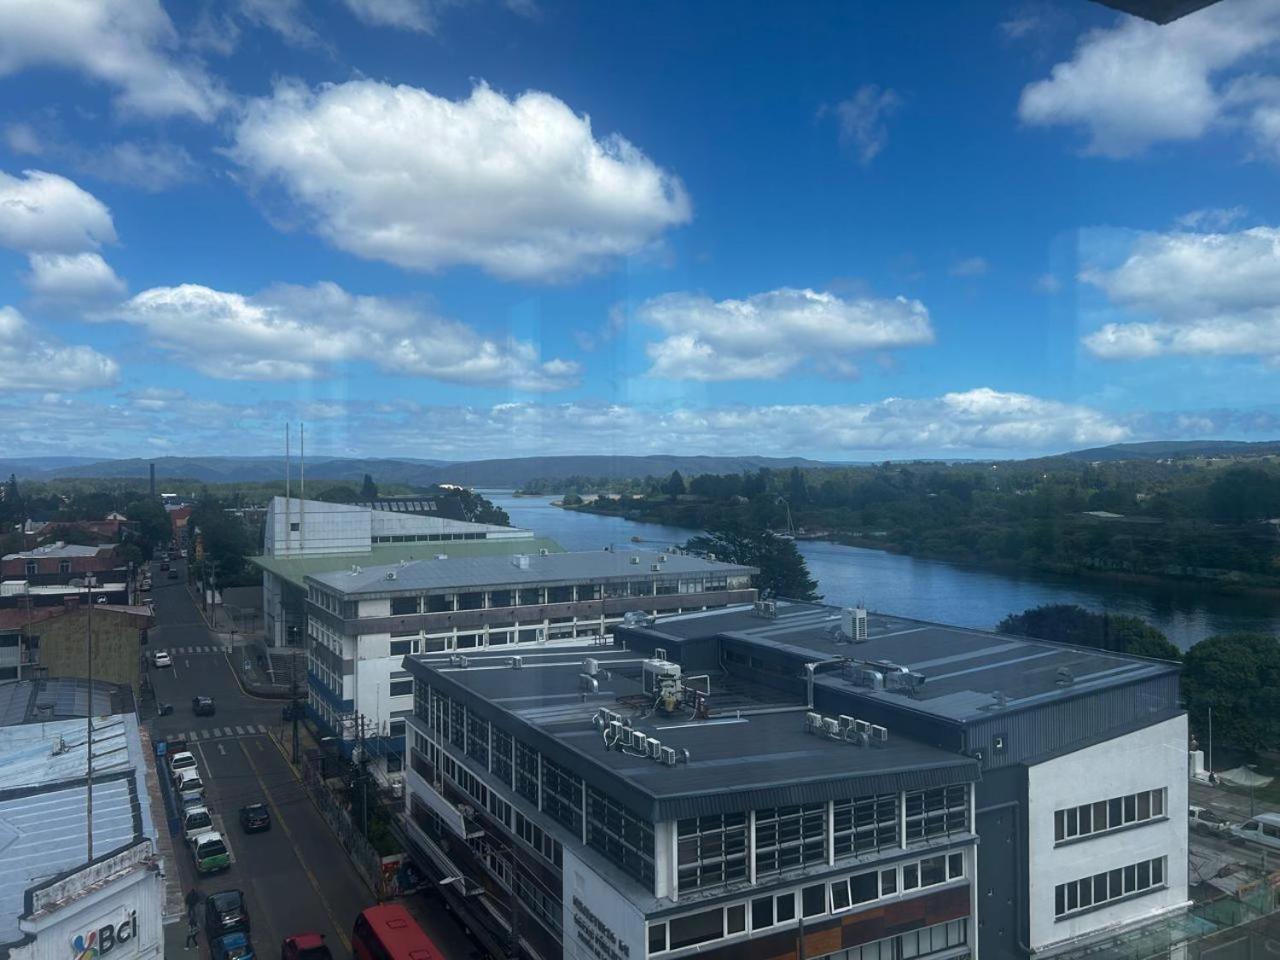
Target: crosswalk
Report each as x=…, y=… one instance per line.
x=222, y=733
x=192, y=650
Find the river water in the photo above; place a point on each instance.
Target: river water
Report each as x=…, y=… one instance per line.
x=933, y=590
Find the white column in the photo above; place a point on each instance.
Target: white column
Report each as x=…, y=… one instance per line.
x=751, y=846
x=902, y=820
x=831, y=833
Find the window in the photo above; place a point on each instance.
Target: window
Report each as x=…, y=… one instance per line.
x=478, y=739
x=401, y=688
x=395, y=728
x=1104, y=815
x=921, y=943
x=711, y=850
x=785, y=907
x=1102, y=888
x=696, y=928
x=840, y=895
x=401, y=648
x=562, y=795
x=458, y=723
x=761, y=913
x=623, y=837
x=657, y=937
x=888, y=882
x=864, y=887
x=527, y=772
x=401, y=606
x=814, y=900
x=500, y=760
x=789, y=837
x=941, y=812
x=64, y=566
x=865, y=824
x=735, y=919
x=33, y=567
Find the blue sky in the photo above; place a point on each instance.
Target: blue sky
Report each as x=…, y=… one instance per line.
x=474, y=229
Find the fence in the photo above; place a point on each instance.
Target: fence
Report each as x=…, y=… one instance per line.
x=368, y=862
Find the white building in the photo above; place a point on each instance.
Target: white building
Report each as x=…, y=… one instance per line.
x=58, y=900
x=311, y=536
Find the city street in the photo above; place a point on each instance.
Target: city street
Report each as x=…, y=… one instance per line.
x=295, y=877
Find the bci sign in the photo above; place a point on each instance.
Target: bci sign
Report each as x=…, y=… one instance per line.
x=100, y=942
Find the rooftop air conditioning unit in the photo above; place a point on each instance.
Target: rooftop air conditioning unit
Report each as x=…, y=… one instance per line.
x=442, y=556
x=588, y=683
x=812, y=721
x=397, y=788
x=831, y=726
x=543, y=551
x=655, y=748
x=615, y=730
x=846, y=721
x=635, y=560
x=462, y=661
x=766, y=608
x=521, y=560
x=515, y=662
x=391, y=575
x=879, y=734
x=662, y=558
x=591, y=666
x=668, y=756
x=655, y=567
x=861, y=726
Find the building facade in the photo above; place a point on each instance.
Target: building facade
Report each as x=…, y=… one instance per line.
x=605, y=814
x=59, y=562
x=362, y=622
x=50, y=642
x=311, y=536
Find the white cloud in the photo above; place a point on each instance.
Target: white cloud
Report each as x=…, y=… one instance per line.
x=77, y=277
x=1138, y=83
x=292, y=332
x=417, y=15
x=1211, y=218
x=21, y=138
x=970, y=267
x=1195, y=293
x=862, y=120
x=29, y=361
x=285, y=17
x=130, y=45
x=45, y=212
x=1048, y=283
x=521, y=188
x=152, y=167
x=769, y=334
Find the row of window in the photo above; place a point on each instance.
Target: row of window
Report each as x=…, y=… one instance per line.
x=816, y=900
x=713, y=850
x=1101, y=888
x=1105, y=815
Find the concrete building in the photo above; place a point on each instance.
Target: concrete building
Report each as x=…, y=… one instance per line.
x=50, y=642
x=1069, y=766
x=330, y=536
x=363, y=621
x=58, y=899
x=58, y=562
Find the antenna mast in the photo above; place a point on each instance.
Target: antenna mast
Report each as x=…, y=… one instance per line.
x=287, y=489
x=302, y=483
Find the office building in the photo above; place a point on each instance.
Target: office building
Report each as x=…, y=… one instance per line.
x=362, y=622
x=1068, y=766
x=311, y=536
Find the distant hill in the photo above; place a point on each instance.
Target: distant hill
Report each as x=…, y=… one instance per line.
x=1177, y=450
x=25, y=467
x=479, y=473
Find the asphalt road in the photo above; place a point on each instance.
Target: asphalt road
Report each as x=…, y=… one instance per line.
x=295, y=877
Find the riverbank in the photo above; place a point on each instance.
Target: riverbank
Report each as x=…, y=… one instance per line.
x=1233, y=584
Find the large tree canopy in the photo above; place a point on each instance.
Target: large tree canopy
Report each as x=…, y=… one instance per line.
x=783, y=571
x=1068, y=623
x=1238, y=675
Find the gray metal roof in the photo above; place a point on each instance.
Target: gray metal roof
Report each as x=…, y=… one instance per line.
x=966, y=671
x=479, y=572
x=61, y=551
x=739, y=760
x=67, y=696
x=43, y=802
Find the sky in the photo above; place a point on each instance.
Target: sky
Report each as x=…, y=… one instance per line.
x=459, y=229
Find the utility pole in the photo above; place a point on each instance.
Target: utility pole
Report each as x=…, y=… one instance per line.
x=88, y=723
x=513, y=934
x=293, y=708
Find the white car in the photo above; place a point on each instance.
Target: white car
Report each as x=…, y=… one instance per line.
x=161, y=658
x=183, y=760
x=1202, y=818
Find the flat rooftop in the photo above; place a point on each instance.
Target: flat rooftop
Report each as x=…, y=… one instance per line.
x=297, y=569
x=966, y=671
x=43, y=800
x=739, y=758
x=489, y=571
x=60, y=550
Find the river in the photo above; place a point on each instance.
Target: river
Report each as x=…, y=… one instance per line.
x=933, y=590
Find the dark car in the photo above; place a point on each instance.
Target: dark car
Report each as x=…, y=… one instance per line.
x=304, y=946
x=225, y=912
x=233, y=946
x=255, y=818
x=202, y=706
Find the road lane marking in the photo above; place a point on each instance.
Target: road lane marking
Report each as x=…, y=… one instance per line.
x=275, y=811
x=186, y=663
x=222, y=750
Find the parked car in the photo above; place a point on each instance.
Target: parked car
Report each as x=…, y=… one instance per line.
x=165, y=565
x=1264, y=830
x=161, y=658
x=210, y=852
x=195, y=821
x=182, y=760
x=202, y=706
x=304, y=946
x=1202, y=818
x=189, y=787
x=232, y=946
x=255, y=817
x=225, y=912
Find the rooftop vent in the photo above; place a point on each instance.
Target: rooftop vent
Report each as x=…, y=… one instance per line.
x=765, y=608
x=853, y=623
x=355, y=568
x=442, y=556
x=635, y=560
x=515, y=662
x=520, y=560
x=457, y=660
x=543, y=551
x=662, y=558
x=588, y=683
x=655, y=567
x=590, y=666
x=391, y=575
x=1065, y=677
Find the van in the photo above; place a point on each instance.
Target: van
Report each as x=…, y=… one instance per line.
x=189, y=788
x=210, y=852
x=1264, y=830
x=195, y=821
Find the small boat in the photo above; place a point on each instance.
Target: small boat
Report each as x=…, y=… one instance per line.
x=637, y=540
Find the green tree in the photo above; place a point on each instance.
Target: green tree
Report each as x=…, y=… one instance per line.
x=674, y=487
x=340, y=493
x=368, y=489
x=1238, y=675
x=571, y=500
x=1069, y=623
x=783, y=571
x=154, y=526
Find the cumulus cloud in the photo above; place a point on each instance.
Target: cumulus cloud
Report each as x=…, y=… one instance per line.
x=1195, y=293
x=297, y=333
x=769, y=334
x=131, y=45
x=970, y=267
x=522, y=187
x=78, y=277
x=45, y=212
x=1137, y=83
x=1211, y=218
x=417, y=15
x=862, y=120
x=29, y=361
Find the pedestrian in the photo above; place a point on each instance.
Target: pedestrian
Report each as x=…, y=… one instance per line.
x=193, y=933
x=191, y=900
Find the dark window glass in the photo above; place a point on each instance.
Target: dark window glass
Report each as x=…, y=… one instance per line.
x=696, y=928
x=815, y=900
x=761, y=913
x=864, y=887
x=786, y=904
